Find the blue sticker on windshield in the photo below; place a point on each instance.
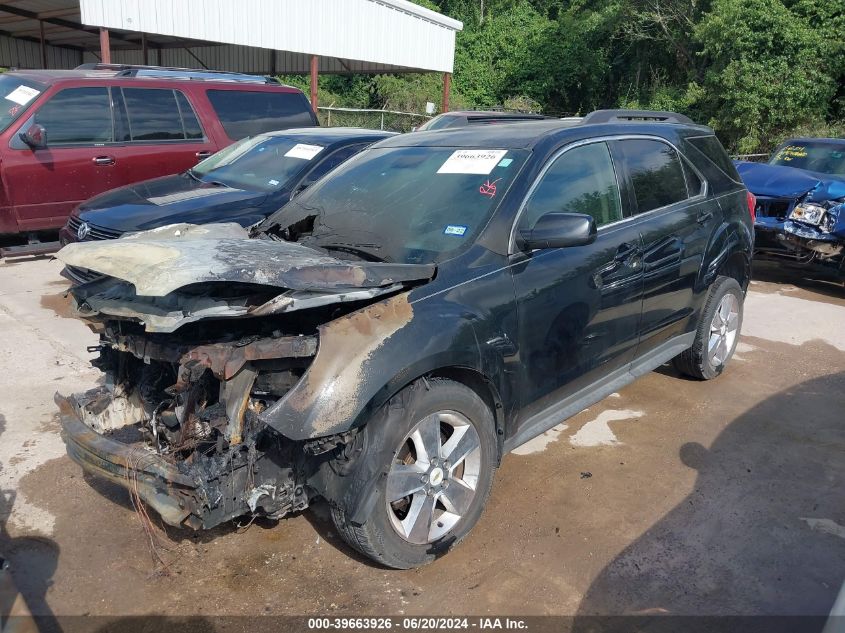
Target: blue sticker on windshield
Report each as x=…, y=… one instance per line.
x=455, y=229
x=505, y=162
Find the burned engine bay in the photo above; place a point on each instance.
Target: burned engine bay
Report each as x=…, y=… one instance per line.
x=203, y=333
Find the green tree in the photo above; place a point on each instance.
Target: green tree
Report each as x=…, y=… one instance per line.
x=766, y=71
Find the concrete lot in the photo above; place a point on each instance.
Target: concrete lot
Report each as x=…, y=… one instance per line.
x=673, y=496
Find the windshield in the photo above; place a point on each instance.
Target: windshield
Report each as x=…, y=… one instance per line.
x=18, y=95
x=825, y=158
x=262, y=163
x=404, y=204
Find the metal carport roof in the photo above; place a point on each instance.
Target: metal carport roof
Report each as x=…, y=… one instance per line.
x=347, y=35
x=365, y=36
x=251, y=36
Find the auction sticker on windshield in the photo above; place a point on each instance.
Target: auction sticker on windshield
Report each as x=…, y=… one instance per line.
x=303, y=151
x=23, y=95
x=472, y=161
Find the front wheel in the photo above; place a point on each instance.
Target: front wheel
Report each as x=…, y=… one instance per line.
x=717, y=334
x=437, y=475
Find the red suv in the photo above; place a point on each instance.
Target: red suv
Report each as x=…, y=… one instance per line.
x=67, y=135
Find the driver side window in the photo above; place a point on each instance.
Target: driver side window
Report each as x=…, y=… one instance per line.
x=581, y=180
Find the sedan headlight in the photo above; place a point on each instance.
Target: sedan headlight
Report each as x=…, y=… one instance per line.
x=809, y=213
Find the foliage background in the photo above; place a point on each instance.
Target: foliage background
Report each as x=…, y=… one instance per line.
x=757, y=71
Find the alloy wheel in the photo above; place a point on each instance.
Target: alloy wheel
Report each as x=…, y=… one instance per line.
x=723, y=330
x=433, y=478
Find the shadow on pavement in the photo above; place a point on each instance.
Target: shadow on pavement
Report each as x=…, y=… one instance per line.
x=773, y=272
x=762, y=532
x=31, y=562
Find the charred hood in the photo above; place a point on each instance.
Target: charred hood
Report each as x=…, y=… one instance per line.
x=181, y=273
x=161, y=261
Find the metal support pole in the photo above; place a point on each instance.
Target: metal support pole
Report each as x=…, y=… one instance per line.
x=145, y=50
x=314, y=66
x=447, y=84
x=105, y=47
x=43, y=45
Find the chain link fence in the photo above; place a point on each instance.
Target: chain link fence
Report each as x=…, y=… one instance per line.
x=371, y=119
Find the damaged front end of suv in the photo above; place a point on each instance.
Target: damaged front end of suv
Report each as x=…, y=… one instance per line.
x=214, y=348
x=800, y=214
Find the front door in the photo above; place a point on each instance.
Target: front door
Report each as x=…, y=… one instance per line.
x=578, y=307
x=43, y=185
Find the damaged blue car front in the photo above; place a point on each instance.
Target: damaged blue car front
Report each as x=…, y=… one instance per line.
x=800, y=211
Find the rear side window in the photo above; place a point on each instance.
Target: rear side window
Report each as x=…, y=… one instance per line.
x=189, y=117
x=694, y=184
x=77, y=116
x=581, y=180
x=158, y=115
x=247, y=113
x=713, y=150
x=656, y=173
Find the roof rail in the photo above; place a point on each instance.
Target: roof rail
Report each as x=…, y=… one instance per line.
x=166, y=72
x=635, y=116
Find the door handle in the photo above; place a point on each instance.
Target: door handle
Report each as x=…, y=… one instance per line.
x=626, y=255
x=703, y=216
x=104, y=160
x=626, y=251
x=203, y=154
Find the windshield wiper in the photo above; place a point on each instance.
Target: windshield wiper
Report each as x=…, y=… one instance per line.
x=356, y=249
x=215, y=183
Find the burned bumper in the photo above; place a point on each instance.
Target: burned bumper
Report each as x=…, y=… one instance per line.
x=176, y=496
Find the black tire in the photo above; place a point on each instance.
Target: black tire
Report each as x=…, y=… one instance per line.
x=385, y=436
x=695, y=362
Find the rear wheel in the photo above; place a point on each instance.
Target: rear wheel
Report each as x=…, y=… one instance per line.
x=717, y=334
x=437, y=479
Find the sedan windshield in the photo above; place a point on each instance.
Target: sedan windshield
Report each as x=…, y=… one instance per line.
x=18, y=95
x=404, y=204
x=259, y=163
x=824, y=158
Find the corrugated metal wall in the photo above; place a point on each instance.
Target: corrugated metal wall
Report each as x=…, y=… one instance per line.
x=389, y=33
x=242, y=59
x=24, y=54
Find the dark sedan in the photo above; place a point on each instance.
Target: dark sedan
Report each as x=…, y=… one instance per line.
x=243, y=183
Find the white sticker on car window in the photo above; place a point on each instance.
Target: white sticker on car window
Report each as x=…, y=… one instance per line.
x=455, y=229
x=303, y=151
x=472, y=161
x=23, y=95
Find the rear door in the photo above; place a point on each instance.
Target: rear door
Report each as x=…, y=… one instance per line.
x=579, y=307
x=44, y=185
x=676, y=220
x=157, y=133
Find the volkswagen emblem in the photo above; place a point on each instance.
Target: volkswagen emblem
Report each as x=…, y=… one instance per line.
x=83, y=231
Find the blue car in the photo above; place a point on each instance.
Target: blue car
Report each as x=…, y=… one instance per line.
x=242, y=183
x=800, y=210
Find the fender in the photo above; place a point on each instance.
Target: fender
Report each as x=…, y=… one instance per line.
x=727, y=239
x=362, y=360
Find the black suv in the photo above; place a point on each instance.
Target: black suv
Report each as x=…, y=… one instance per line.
x=386, y=337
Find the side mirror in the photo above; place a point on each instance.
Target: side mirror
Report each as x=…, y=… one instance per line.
x=558, y=230
x=35, y=136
